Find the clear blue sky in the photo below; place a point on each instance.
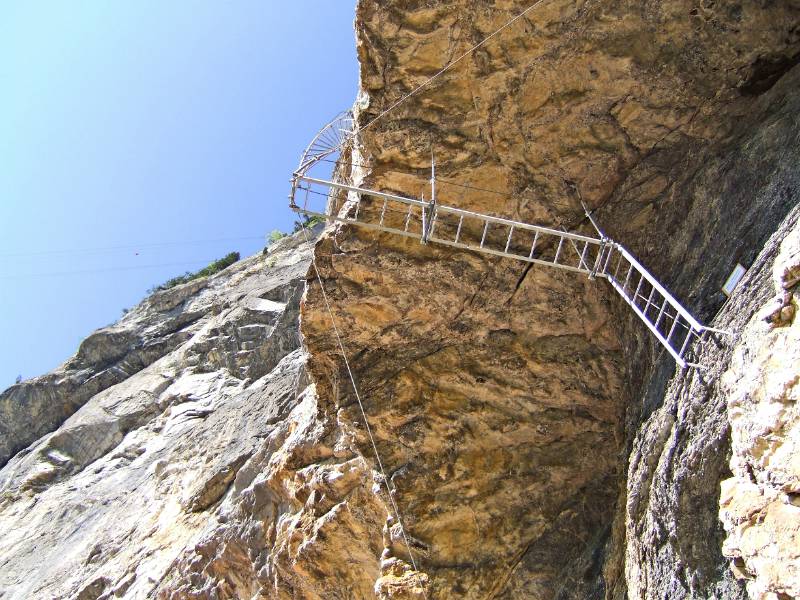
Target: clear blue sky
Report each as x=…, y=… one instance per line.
x=147, y=124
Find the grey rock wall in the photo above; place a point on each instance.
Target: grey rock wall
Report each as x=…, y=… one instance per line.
x=678, y=423
x=102, y=506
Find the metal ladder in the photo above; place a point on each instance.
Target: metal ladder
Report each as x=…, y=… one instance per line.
x=429, y=221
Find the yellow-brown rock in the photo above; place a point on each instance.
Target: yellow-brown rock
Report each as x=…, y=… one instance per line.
x=500, y=396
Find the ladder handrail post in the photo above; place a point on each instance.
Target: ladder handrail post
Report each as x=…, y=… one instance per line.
x=429, y=215
x=432, y=223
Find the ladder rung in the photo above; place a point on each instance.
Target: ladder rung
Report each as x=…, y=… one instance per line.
x=660, y=312
x=533, y=245
x=582, y=262
x=686, y=341
x=485, y=229
x=638, y=287
x=609, y=250
x=649, y=300
x=558, y=250
x=627, y=278
x=619, y=264
x=508, y=241
x=408, y=217
x=674, y=323
x=383, y=211
x=458, y=231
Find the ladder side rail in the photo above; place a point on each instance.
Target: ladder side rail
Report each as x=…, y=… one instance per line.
x=661, y=289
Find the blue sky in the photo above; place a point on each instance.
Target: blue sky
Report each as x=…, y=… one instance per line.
x=128, y=129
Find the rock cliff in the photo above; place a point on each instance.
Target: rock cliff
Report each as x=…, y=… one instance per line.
x=520, y=411
x=210, y=444
x=105, y=505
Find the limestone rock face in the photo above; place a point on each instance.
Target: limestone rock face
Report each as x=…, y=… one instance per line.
x=110, y=355
x=759, y=505
x=107, y=504
x=680, y=426
x=679, y=459
x=161, y=323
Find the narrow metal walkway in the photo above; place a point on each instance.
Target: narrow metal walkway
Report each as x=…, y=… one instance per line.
x=429, y=221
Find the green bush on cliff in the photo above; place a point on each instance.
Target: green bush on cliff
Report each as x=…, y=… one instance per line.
x=275, y=235
x=308, y=222
x=214, y=267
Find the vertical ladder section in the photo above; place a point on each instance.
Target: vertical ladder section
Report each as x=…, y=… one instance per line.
x=664, y=316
